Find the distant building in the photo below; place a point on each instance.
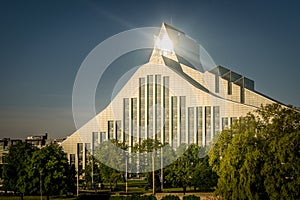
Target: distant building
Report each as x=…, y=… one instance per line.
x=37, y=140
x=56, y=141
x=170, y=100
x=5, y=144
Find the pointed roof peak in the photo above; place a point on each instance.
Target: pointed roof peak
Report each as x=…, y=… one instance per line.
x=163, y=46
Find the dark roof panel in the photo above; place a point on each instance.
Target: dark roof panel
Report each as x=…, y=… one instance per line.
x=172, y=28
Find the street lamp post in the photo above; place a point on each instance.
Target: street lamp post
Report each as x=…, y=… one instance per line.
x=92, y=172
x=126, y=173
x=153, y=175
x=161, y=170
x=77, y=184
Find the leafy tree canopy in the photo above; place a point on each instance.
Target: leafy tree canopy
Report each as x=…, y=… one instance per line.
x=259, y=156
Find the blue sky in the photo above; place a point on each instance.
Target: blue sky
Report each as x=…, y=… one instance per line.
x=43, y=43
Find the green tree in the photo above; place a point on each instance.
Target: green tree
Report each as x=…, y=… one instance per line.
x=92, y=173
x=149, y=152
x=51, y=165
x=203, y=177
x=111, y=156
x=14, y=173
x=258, y=158
x=180, y=172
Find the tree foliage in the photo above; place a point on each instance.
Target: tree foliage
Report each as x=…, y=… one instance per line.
x=92, y=173
x=14, y=169
x=258, y=158
x=190, y=169
x=110, y=156
x=50, y=163
x=27, y=168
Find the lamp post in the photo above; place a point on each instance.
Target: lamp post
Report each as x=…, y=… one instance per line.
x=153, y=175
x=161, y=170
x=92, y=172
x=126, y=173
x=77, y=184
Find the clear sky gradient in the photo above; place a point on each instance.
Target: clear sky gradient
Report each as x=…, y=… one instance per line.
x=43, y=43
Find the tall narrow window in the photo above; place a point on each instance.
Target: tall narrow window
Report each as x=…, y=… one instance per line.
x=174, y=122
x=95, y=140
x=224, y=123
x=233, y=120
x=158, y=106
x=133, y=120
x=207, y=124
x=80, y=156
x=150, y=105
x=72, y=159
x=110, y=129
x=166, y=109
x=229, y=88
x=126, y=120
x=199, y=125
x=118, y=130
x=216, y=112
x=217, y=83
x=190, y=125
x=242, y=95
x=182, y=138
x=102, y=136
x=142, y=109
x=87, y=152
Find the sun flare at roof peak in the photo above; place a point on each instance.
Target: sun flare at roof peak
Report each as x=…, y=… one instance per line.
x=163, y=43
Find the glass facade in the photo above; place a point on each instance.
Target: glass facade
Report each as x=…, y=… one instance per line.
x=187, y=125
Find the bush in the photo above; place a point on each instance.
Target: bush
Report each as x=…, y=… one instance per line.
x=93, y=196
x=191, y=197
x=133, y=197
x=170, y=197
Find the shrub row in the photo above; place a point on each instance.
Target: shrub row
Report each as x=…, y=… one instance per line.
x=173, y=197
x=133, y=197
